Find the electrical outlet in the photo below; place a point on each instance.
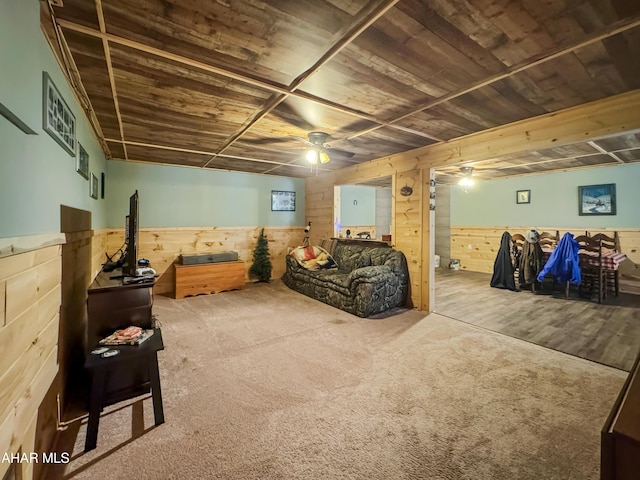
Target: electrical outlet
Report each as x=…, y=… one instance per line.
x=469, y=247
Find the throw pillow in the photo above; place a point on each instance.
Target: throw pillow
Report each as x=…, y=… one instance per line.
x=309, y=253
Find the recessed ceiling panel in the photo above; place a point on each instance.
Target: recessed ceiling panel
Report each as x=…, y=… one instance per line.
x=619, y=142
x=629, y=156
x=158, y=155
x=90, y=60
x=274, y=41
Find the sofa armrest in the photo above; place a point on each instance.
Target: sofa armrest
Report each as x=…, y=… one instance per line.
x=291, y=262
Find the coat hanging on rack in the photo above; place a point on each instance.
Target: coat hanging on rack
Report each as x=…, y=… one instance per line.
x=503, y=265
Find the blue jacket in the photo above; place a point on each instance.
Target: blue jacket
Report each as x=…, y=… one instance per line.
x=563, y=263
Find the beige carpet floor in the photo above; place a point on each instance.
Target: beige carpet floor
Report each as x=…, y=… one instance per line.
x=265, y=383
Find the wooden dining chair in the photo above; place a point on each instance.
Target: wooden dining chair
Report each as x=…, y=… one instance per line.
x=518, y=244
x=610, y=244
x=549, y=240
x=591, y=268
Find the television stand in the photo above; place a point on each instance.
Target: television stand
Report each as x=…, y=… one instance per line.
x=114, y=304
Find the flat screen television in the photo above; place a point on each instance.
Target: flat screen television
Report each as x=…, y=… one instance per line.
x=131, y=237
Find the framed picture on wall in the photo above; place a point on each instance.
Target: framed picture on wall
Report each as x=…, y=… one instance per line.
x=523, y=196
x=282, y=201
x=57, y=118
x=597, y=199
x=93, y=186
x=82, y=162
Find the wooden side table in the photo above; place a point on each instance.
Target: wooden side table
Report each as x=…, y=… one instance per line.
x=133, y=372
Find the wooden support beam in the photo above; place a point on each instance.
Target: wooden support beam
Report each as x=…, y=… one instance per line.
x=602, y=118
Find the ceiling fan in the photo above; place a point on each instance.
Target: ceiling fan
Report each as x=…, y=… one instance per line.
x=318, y=151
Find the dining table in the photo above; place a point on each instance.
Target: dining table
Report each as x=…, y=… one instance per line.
x=611, y=260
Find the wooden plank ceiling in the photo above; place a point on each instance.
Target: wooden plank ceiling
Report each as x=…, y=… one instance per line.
x=237, y=85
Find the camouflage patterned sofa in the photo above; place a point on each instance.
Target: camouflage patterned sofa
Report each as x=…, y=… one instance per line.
x=367, y=281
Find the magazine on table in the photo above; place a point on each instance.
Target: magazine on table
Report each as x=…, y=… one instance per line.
x=127, y=336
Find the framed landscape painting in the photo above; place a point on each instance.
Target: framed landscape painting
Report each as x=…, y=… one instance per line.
x=597, y=199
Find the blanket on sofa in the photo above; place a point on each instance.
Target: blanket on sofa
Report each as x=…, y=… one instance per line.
x=313, y=257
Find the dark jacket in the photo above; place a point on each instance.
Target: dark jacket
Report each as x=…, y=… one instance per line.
x=564, y=263
x=503, y=266
x=531, y=263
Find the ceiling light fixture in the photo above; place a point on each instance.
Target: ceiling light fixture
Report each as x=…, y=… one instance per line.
x=466, y=181
x=317, y=154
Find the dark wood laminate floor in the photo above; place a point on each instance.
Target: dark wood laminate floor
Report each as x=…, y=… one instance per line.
x=607, y=333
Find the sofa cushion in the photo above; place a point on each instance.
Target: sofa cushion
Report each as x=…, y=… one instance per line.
x=329, y=244
x=313, y=258
x=352, y=257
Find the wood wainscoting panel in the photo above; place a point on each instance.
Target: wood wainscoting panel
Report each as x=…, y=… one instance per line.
x=629, y=243
x=30, y=282
x=3, y=292
x=163, y=246
x=98, y=250
x=477, y=247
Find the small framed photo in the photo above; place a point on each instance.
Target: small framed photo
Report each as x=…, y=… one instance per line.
x=597, y=199
x=282, y=201
x=82, y=162
x=57, y=118
x=523, y=196
x=93, y=186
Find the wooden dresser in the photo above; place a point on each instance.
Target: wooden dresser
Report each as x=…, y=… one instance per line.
x=620, y=439
x=209, y=278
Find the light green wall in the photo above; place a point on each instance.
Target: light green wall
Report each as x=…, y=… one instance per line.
x=554, y=200
x=357, y=205
x=36, y=174
x=192, y=197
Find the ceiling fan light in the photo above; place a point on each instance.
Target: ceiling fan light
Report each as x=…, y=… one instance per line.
x=466, y=182
x=312, y=156
x=324, y=156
